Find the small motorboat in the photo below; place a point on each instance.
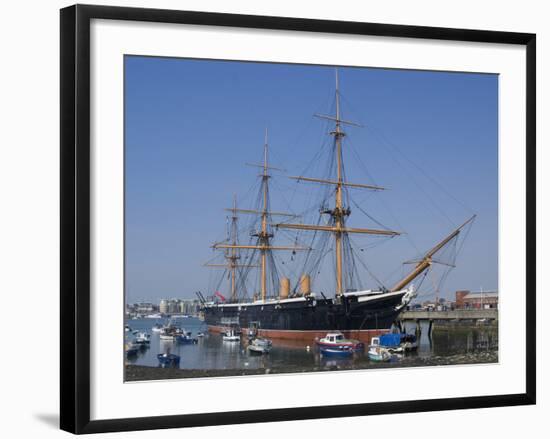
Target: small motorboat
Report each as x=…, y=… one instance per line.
x=391, y=342
x=157, y=327
x=142, y=338
x=377, y=352
x=260, y=346
x=398, y=343
x=171, y=332
x=233, y=329
x=336, y=339
x=127, y=328
x=167, y=336
x=168, y=360
x=200, y=334
x=336, y=351
x=252, y=331
x=231, y=335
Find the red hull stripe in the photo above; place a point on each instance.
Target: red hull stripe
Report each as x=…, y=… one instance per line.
x=364, y=335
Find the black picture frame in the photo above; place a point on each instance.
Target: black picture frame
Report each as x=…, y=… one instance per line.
x=75, y=217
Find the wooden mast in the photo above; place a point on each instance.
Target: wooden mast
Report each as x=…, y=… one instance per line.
x=231, y=255
x=233, y=258
x=427, y=260
x=263, y=235
x=339, y=213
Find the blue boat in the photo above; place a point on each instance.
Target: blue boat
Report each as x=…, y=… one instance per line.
x=186, y=339
x=168, y=360
x=337, y=351
x=132, y=350
x=398, y=342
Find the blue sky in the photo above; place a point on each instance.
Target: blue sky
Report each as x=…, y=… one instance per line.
x=190, y=126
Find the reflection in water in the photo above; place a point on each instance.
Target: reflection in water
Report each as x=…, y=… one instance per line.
x=448, y=345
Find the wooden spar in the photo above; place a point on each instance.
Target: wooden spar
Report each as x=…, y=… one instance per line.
x=427, y=261
x=263, y=166
x=225, y=265
x=343, y=183
x=255, y=212
x=334, y=119
x=335, y=229
x=259, y=247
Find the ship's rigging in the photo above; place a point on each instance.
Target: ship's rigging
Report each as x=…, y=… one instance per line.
x=264, y=234
x=330, y=234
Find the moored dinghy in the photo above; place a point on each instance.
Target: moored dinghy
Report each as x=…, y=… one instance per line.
x=377, y=352
x=168, y=360
x=231, y=335
x=337, y=339
x=142, y=338
x=260, y=346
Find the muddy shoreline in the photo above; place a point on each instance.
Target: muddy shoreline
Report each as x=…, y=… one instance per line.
x=148, y=373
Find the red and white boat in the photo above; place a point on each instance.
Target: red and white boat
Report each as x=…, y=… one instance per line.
x=337, y=339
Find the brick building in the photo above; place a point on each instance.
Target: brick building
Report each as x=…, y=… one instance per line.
x=476, y=300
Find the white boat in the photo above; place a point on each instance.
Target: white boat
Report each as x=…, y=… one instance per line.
x=143, y=338
x=231, y=336
x=337, y=340
x=260, y=345
x=156, y=327
x=154, y=316
x=170, y=332
x=377, y=352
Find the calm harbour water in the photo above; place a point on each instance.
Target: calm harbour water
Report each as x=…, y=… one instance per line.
x=449, y=345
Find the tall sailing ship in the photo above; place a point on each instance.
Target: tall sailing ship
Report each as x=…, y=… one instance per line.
x=292, y=310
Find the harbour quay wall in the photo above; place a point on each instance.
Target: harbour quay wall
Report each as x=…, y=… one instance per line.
x=450, y=315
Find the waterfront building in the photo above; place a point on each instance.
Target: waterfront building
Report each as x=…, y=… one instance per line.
x=144, y=308
x=173, y=306
x=179, y=306
x=189, y=306
x=476, y=300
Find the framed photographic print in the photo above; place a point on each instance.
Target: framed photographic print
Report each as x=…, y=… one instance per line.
x=283, y=210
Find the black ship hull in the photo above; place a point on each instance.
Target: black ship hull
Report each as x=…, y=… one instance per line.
x=307, y=318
